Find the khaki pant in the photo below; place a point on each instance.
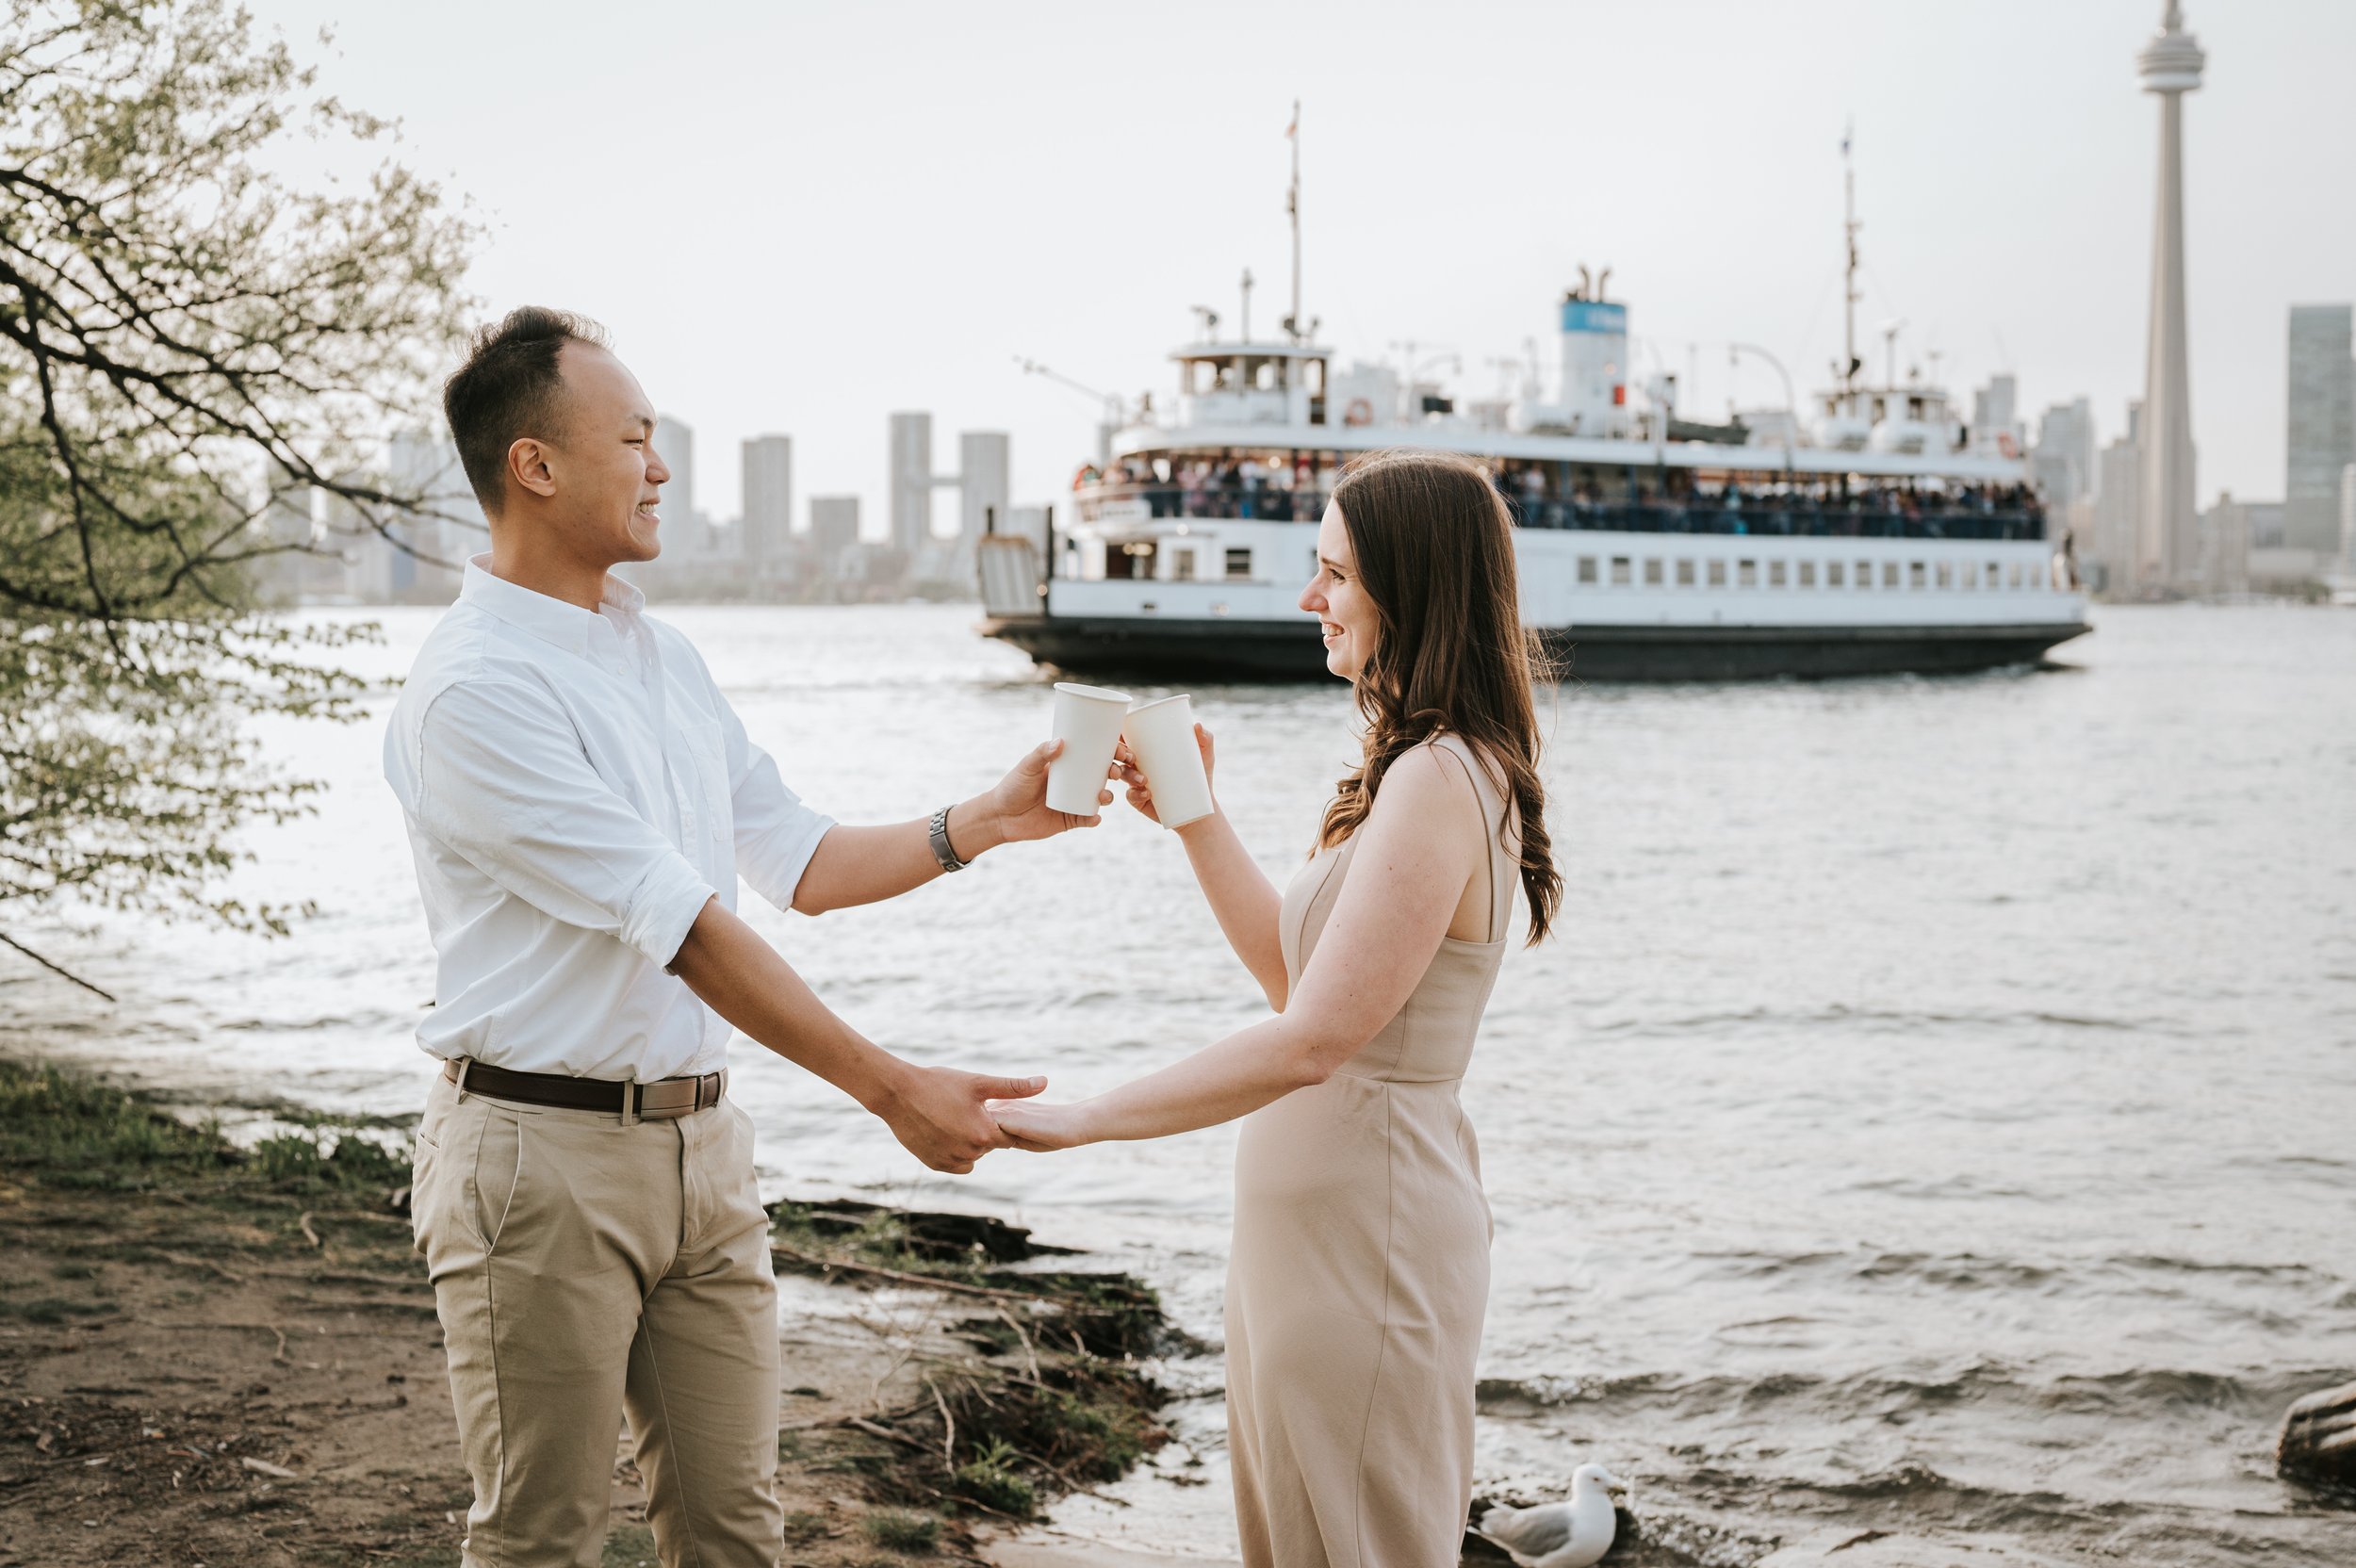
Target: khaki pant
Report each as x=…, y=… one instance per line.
x=585, y=1268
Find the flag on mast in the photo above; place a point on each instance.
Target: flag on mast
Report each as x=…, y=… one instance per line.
x=1294, y=128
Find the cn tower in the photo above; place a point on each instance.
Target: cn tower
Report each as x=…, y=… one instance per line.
x=2166, y=548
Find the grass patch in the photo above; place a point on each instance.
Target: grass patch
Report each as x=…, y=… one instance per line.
x=991, y=1479
x=308, y=1159
x=897, y=1531
x=73, y=1131
x=78, y=1132
x=803, y=1526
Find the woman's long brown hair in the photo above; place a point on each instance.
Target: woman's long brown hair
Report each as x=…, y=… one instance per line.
x=1435, y=555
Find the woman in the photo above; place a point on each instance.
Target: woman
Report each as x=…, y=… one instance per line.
x=1360, y=1266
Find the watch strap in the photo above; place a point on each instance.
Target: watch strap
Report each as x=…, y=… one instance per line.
x=943, y=851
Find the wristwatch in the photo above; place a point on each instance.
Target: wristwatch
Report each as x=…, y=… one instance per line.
x=941, y=850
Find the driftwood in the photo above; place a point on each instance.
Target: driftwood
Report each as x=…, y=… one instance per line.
x=2319, y=1438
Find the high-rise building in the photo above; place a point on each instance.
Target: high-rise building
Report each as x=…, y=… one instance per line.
x=833, y=527
x=2063, y=459
x=911, y=481
x=768, y=498
x=2227, y=532
x=2348, y=519
x=675, y=443
x=1994, y=412
x=423, y=464
x=2118, y=505
x=2322, y=426
x=982, y=464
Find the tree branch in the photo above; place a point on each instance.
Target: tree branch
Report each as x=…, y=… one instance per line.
x=56, y=969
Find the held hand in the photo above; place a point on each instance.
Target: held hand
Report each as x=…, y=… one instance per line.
x=938, y=1115
x=1019, y=803
x=1141, y=789
x=1039, y=1129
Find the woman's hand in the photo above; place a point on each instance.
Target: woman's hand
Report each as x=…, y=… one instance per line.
x=1141, y=790
x=1029, y=1125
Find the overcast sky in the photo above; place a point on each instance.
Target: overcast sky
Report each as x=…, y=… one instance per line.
x=799, y=217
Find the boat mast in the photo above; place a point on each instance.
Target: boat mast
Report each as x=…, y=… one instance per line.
x=1292, y=207
x=1849, y=292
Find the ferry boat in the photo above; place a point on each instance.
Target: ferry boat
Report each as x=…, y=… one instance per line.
x=1882, y=537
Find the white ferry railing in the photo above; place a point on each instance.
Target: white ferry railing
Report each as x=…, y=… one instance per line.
x=1879, y=515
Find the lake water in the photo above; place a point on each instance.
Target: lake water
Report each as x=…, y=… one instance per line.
x=1939, y=1106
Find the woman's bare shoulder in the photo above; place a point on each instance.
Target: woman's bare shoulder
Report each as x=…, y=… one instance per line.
x=1432, y=776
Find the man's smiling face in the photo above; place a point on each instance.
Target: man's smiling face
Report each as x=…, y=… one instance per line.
x=605, y=467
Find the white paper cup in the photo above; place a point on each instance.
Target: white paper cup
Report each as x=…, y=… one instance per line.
x=1161, y=734
x=1088, y=721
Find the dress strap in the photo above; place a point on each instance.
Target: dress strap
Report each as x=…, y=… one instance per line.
x=1489, y=836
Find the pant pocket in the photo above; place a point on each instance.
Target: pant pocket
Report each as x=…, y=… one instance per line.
x=495, y=1180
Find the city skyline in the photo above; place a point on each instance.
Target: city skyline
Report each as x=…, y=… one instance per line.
x=924, y=210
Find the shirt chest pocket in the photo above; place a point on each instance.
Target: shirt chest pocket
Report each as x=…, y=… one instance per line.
x=701, y=778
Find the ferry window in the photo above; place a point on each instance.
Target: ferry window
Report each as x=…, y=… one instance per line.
x=1586, y=568
x=1238, y=563
x=1832, y=573
x=1775, y=574
x=1717, y=574
x=1865, y=574
x=1946, y=577
x=1746, y=574
x=1685, y=574
x=2015, y=574
x=1915, y=574
x=1807, y=574
x=1182, y=565
x=1652, y=574
x=1889, y=574
x=1995, y=575
x=1619, y=571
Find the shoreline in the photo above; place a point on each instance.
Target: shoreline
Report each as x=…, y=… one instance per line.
x=213, y=1354
x=216, y=1354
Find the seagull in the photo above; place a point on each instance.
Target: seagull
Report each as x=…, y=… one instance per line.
x=1559, y=1535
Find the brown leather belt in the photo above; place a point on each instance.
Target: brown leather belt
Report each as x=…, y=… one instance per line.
x=665, y=1097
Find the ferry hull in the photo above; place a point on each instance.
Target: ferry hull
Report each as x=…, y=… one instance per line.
x=1285, y=650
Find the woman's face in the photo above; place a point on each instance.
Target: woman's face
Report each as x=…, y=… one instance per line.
x=1339, y=602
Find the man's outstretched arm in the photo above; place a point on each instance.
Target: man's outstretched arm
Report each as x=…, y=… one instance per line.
x=936, y=1112
x=866, y=865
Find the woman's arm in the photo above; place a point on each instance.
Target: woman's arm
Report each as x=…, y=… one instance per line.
x=1417, y=851
x=1245, y=901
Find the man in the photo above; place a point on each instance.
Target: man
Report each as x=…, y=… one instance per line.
x=582, y=800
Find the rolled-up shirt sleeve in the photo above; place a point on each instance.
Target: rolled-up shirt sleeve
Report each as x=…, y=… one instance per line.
x=775, y=833
x=503, y=780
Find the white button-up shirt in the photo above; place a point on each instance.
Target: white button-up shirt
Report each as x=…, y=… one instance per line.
x=575, y=788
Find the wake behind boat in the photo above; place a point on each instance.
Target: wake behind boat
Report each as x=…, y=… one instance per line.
x=1881, y=536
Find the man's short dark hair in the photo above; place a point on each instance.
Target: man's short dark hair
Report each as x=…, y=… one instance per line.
x=511, y=387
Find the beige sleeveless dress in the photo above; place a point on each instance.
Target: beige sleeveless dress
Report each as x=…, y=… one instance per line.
x=1360, y=1267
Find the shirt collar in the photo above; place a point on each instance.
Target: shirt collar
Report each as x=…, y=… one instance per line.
x=552, y=620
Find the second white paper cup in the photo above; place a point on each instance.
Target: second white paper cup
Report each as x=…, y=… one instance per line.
x=1088, y=721
x=1161, y=733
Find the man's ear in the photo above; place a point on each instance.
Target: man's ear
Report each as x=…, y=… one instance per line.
x=529, y=465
